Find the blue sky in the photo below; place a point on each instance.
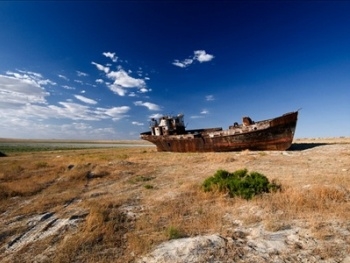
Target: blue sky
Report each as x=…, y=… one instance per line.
x=101, y=69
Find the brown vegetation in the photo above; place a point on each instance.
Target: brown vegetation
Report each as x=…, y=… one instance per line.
x=116, y=205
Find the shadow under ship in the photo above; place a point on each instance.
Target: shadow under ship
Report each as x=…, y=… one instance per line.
x=170, y=135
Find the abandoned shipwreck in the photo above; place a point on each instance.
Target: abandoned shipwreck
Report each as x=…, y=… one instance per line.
x=169, y=134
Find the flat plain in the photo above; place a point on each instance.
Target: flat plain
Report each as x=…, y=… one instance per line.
x=134, y=204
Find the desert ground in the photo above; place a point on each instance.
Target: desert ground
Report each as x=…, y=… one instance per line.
x=134, y=204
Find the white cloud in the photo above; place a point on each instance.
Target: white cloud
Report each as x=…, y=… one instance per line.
x=25, y=111
x=149, y=105
x=78, y=81
x=199, y=55
x=22, y=89
x=110, y=55
x=202, y=56
x=86, y=100
x=91, y=85
x=182, y=64
x=63, y=77
x=74, y=111
x=30, y=77
x=23, y=98
x=196, y=117
x=64, y=110
x=81, y=74
x=117, y=112
x=68, y=87
x=122, y=79
x=155, y=116
x=47, y=82
x=137, y=123
x=203, y=112
x=117, y=89
x=144, y=90
x=209, y=98
x=101, y=67
x=18, y=128
x=32, y=74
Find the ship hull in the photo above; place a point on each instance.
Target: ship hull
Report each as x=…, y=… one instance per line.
x=272, y=135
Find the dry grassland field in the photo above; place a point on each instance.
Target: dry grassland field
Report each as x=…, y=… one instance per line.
x=134, y=204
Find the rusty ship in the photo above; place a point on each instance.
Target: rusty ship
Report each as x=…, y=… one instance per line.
x=169, y=134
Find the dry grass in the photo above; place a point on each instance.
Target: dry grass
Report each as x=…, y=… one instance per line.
x=127, y=200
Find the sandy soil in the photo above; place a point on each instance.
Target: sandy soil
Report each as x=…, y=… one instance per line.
x=307, y=222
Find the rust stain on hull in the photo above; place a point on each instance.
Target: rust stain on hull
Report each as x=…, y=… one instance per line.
x=273, y=134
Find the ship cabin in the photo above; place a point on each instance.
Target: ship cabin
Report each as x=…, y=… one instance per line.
x=168, y=125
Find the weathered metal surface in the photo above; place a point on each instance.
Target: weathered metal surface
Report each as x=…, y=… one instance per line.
x=272, y=134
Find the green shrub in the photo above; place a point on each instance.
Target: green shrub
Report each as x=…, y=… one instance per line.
x=240, y=183
x=174, y=233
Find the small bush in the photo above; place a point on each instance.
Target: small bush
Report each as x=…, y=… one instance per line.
x=141, y=179
x=144, y=178
x=174, y=233
x=240, y=183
